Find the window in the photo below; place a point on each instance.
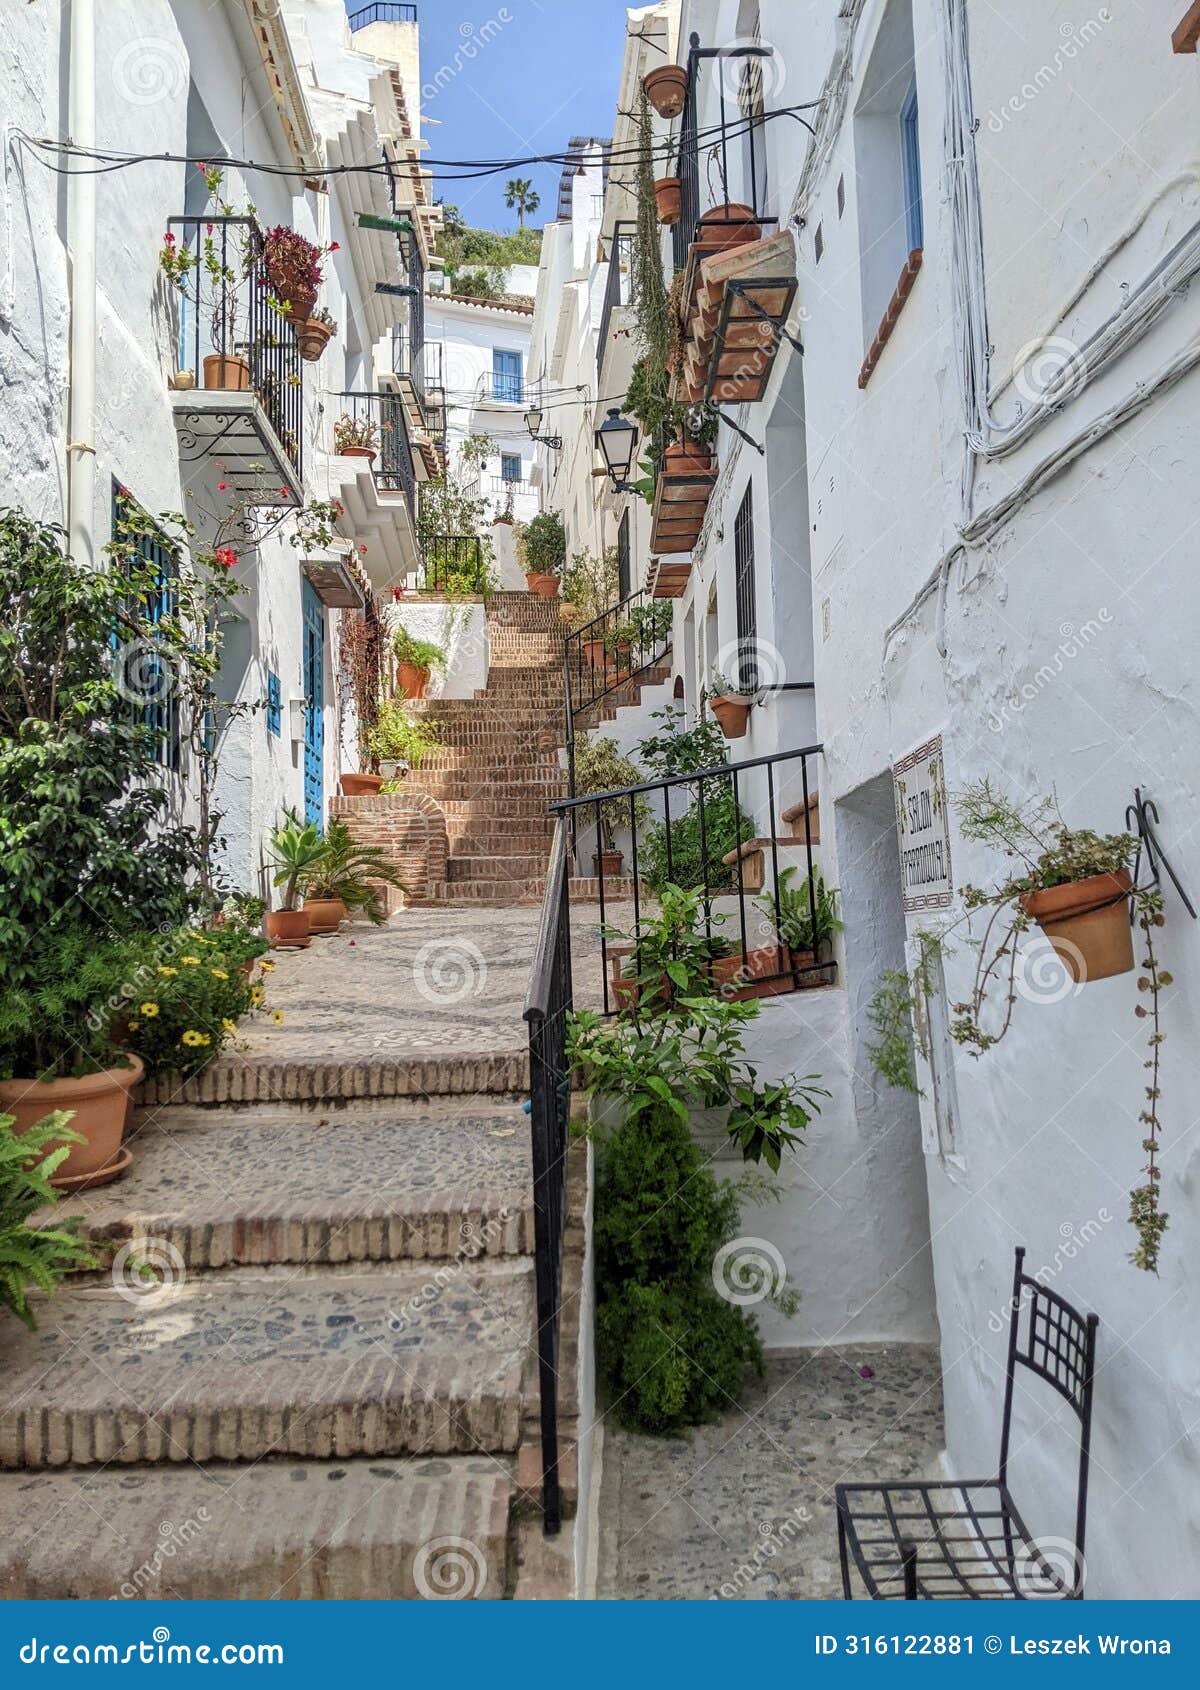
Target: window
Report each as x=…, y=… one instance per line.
x=887, y=168
x=624, y=584
x=145, y=679
x=507, y=383
x=274, y=705
x=910, y=153
x=510, y=466
x=747, y=617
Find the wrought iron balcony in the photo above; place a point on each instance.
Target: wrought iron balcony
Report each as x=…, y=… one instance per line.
x=734, y=144
x=452, y=564
x=382, y=13
x=372, y=426
x=618, y=289
x=239, y=394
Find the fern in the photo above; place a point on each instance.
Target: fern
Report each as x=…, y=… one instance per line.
x=33, y=1256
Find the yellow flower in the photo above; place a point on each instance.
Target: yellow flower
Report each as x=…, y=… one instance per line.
x=192, y=961
x=228, y=1026
x=168, y=971
x=149, y=1010
x=277, y=1017
x=133, y=1026
x=256, y=996
x=218, y=974
x=194, y=1039
x=267, y=967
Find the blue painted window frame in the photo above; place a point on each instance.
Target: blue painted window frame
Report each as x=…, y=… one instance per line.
x=274, y=705
x=910, y=153
x=510, y=466
x=508, y=382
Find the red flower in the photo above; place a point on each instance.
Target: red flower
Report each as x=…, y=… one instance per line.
x=285, y=492
x=226, y=556
x=334, y=246
x=221, y=486
x=208, y=228
x=169, y=239
x=363, y=549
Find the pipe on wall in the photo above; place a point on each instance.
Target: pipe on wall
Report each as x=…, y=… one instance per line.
x=81, y=255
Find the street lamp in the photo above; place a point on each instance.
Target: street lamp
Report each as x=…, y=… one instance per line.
x=615, y=439
x=533, y=422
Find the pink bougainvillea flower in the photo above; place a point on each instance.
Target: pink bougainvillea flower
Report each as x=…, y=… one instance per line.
x=169, y=239
x=334, y=246
x=363, y=548
x=221, y=486
x=285, y=492
x=866, y=1372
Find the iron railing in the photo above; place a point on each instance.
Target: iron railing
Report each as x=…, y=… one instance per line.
x=382, y=12
x=618, y=289
x=226, y=315
x=546, y=1010
x=613, y=648
x=451, y=563
x=739, y=173
x=381, y=416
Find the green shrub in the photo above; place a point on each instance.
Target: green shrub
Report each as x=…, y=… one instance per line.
x=188, y=997
x=696, y=852
x=60, y=1019
x=544, y=544
x=34, y=1256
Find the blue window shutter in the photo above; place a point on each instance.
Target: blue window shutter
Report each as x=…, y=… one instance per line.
x=506, y=376
x=274, y=705
x=910, y=150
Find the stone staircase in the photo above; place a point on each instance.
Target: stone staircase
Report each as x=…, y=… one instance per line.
x=327, y=1387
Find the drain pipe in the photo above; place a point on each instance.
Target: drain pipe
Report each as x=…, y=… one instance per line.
x=81, y=250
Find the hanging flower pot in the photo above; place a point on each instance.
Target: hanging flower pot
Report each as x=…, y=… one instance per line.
x=288, y=929
x=668, y=199
x=732, y=711
x=99, y=1105
x=312, y=337
x=325, y=915
x=224, y=371
x=666, y=89
x=299, y=302
x=412, y=679
x=728, y=226
x=1087, y=922
x=360, y=786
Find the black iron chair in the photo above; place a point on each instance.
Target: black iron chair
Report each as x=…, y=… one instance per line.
x=965, y=1538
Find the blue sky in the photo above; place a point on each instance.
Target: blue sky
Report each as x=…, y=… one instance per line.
x=542, y=71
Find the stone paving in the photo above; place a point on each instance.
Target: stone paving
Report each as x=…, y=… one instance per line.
x=744, y=1509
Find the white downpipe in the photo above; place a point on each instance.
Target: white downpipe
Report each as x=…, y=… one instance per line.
x=81, y=251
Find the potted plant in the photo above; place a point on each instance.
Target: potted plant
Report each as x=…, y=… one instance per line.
x=223, y=368
x=666, y=89
x=544, y=545
x=314, y=334
x=600, y=767
x=355, y=437
x=590, y=585
x=347, y=878
x=292, y=268
x=726, y=226
x=415, y=659
x=360, y=785
x=650, y=625
x=668, y=199
x=296, y=849
x=397, y=742
x=64, y=1045
x=729, y=704
x=790, y=920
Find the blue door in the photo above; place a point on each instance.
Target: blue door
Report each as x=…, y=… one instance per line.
x=506, y=377
x=314, y=706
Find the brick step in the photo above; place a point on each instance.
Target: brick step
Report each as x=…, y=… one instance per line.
x=239, y=1366
x=463, y=839
x=488, y=808
x=492, y=894
x=413, y=1181
x=302, y=1530
x=512, y=868
x=242, y=1080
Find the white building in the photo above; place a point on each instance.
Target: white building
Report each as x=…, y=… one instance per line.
x=962, y=518
x=103, y=366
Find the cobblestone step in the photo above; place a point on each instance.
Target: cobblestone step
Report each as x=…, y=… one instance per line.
x=241, y=1366
x=433, y=1182
x=303, y=1530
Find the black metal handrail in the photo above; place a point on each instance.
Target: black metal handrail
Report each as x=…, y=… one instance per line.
x=451, y=563
x=722, y=841
x=546, y=1010
x=614, y=648
x=618, y=289
x=382, y=12
x=227, y=318
x=378, y=420
x=744, y=128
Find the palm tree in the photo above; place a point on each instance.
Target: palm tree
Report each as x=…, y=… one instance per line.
x=522, y=194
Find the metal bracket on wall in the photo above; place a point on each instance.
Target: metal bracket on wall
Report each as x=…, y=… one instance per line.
x=1141, y=818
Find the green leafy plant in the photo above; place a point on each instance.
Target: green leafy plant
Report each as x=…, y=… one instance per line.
x=351, y=871
x=397, y=736
x=422, y=654
x=676, y=749
x=649, y=625
x=590, y=584
x=600, y=767
x=720, y=686
x=61, y=1018
x=792, y=913
x=39, y=1256
x=690, y=851
x=183, y=1004
x=544, y=543
x=296, y=849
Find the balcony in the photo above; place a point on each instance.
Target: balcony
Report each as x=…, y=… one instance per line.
x=618, y=291
x=499, y=389
x=238, y=395
x=375, y=474
x=364, y=16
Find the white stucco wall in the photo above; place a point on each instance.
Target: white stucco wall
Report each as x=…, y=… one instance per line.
x=460, y=628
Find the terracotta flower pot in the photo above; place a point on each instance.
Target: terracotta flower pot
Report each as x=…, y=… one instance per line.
x=595, y=653
x=312, y=339
x=1087, y=922
x=412, y=679
x=287, y=929
x=668, y=199
x=684, y=457
x=299, y=302
x=325, y=915
x=227, y=372
x=732, y=713
x=545, y=586
x=99, y=1104
x=728, y=226
x=666, y=89
x=608, y=864
x=360, y=786
x=367, y=452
